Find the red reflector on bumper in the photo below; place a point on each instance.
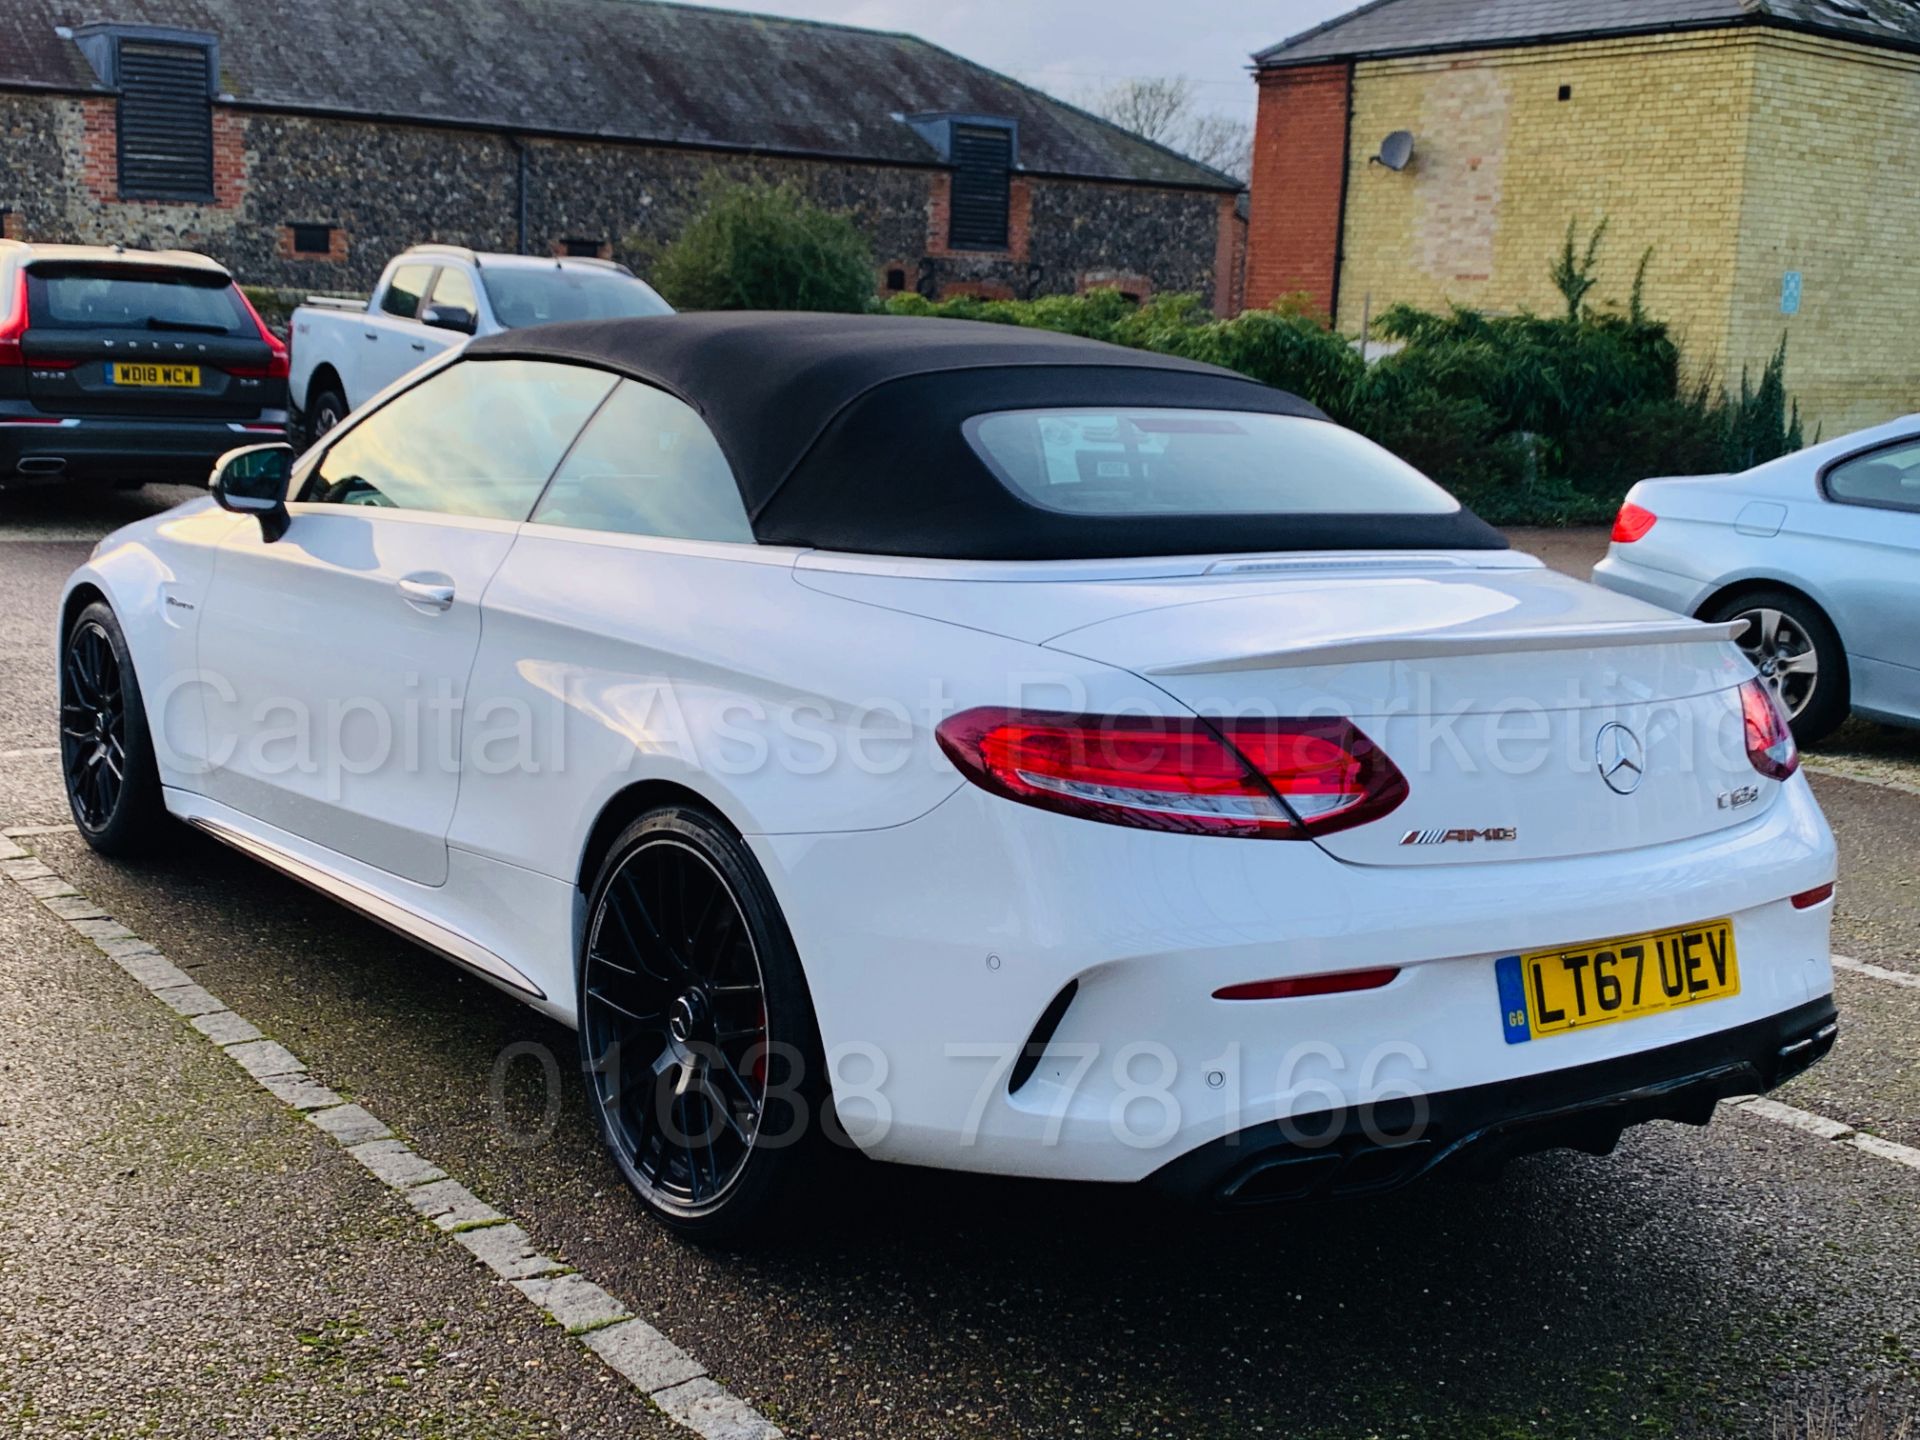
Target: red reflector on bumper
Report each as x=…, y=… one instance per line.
x=1819, y=895
x=1340, y=984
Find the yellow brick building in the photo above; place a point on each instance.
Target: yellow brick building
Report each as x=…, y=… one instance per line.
x=1766, y=153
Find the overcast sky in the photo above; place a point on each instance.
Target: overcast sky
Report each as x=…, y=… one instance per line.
x=1071, y=46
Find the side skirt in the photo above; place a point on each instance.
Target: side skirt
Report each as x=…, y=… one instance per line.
x=464, y=952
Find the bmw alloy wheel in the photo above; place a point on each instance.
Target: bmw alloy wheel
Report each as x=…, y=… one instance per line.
x=1784, y=654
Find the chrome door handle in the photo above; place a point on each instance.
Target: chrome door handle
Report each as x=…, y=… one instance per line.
x=427, y=594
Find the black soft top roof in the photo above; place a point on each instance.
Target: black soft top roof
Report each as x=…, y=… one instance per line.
x=844, y=431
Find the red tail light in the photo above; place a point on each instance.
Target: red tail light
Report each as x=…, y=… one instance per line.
x=1344, y=983
x=279, y=363
x=1265, y=779
x=1770, y=743
x=13, y=326
x=1632, y=523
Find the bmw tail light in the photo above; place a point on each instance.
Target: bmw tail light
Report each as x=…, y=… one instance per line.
x=1770, y=743
x=279, y=363
x=1632, y=523
x=1261, y=779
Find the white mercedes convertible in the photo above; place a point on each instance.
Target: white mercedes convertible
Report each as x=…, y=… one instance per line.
x=987, y=748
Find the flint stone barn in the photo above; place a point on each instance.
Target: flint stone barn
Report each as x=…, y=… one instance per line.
x=303, y=144
x=1766, y=150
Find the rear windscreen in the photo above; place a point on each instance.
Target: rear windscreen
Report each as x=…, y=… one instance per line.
x=107, y=299
x=1141, y=462
x=523, y=295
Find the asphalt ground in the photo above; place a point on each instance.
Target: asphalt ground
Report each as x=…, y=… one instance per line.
x=180, y=1257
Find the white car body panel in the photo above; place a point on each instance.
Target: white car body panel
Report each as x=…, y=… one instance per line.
x=1773, y=525
x=350, y=582
x=936, y=921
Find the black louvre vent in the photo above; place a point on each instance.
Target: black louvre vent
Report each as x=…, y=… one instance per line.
x=982, y=159
x=166, y=123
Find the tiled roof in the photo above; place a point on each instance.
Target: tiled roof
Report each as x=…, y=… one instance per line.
x=639, y=70
x=1396, y=27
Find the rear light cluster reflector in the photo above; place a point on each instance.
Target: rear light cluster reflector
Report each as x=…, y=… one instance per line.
x=1770, y=743
x=1344, y=983
x=1632, y=523
x=1819, y=895
x=1258, y=779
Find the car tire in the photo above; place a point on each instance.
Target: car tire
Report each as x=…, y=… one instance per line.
x=1798, y=654
x=106, y=752
x=328, y=409
x=698, y=1045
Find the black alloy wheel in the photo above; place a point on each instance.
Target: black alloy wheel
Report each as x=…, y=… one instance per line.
x=106, y=754
x=696, y=1033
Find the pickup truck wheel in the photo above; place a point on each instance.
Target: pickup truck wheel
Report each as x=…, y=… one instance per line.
x=329, y=408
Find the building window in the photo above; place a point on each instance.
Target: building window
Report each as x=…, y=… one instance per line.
x=166, y=120
x=1566, y=92
x=312, y=239
x=982, y=187
x=896, y=278
x=583, y=249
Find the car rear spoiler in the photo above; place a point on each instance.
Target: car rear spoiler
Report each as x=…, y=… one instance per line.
x=1677, y=631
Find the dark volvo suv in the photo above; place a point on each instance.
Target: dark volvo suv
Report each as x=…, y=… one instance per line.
x=129, y=365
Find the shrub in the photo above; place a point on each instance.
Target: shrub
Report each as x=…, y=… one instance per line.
x=767, y=247
x=1529, y=419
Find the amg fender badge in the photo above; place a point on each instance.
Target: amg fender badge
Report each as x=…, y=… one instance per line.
x=1498, y=835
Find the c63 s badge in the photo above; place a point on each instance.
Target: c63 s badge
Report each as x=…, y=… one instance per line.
x=1458, y=837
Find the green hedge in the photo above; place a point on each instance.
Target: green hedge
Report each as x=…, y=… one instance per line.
x=767, y=247
x=1531, y=420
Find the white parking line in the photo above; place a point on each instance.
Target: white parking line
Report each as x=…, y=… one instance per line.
x=1821, y=1128
x=669, y=1377
x=1876, y=972
x=1863, y=772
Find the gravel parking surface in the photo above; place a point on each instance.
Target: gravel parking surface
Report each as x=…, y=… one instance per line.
x=171, y=1238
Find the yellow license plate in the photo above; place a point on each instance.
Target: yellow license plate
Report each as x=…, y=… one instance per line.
x=172, y=377
x=1551, y=992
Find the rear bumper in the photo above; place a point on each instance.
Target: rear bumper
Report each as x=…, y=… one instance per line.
x=1347, y=1152
x=1681, y=594
x=37, y=449
x=937, y=949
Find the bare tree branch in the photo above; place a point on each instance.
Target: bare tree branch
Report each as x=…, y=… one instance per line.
x=1164, y=109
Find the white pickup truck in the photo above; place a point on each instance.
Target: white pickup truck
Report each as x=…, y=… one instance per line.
x=432, y=297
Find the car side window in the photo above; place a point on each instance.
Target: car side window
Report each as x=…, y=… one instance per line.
x=454, y=288
x=647, y=465
x=1888, y=478
x=479, y=438
x=403, y=293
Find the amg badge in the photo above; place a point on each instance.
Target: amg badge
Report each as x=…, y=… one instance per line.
x=1457, y=837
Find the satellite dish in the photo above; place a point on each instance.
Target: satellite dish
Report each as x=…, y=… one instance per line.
x=1396, y=150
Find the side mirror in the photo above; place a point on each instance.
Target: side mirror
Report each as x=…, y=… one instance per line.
x=448, y=317
x=253, y=481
